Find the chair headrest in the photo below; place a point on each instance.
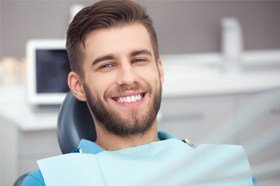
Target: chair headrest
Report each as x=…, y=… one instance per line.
x=74, y=123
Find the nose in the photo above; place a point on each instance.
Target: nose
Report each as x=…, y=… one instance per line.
x=127, y=75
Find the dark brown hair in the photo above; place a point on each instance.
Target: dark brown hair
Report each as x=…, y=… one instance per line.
x=104, y=14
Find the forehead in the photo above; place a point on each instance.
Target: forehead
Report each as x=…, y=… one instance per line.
x=117, y=40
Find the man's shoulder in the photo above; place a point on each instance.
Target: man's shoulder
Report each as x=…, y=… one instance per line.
x=34, y=178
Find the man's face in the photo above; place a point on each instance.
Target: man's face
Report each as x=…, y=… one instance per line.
x=122, y=80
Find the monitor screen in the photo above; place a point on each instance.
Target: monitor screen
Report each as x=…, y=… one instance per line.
x=52, y=68
x=48, y=67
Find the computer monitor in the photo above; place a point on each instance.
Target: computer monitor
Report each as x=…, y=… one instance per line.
x=48, y=67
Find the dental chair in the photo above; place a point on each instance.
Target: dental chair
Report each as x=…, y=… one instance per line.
x=74, y=123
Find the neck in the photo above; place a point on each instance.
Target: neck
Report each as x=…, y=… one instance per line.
x=112, y=142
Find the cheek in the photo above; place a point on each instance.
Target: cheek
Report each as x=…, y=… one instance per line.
x=150, y=72
x=152, y=78
x=154, y=74
x=101, y=85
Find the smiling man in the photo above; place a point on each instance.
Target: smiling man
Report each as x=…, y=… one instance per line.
x=121, y=75
x=113, y=51
x=121, y=83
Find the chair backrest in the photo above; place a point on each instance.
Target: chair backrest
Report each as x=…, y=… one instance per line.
x=20, y=179
x=74, y=123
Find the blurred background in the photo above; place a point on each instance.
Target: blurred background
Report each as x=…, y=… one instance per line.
x=182, y=26
x=222, y=84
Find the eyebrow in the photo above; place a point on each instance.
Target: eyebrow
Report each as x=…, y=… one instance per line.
x=138, y=52
x=103, y=58
x=112, y=57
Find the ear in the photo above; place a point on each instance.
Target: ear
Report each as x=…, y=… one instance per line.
x=160, y=70
x=76, y=86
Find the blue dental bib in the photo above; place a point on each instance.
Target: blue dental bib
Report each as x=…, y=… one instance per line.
x=167, y=163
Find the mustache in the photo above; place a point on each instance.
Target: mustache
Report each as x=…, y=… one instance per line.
x=123, y=88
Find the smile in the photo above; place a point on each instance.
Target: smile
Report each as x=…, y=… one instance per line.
x=130, y=99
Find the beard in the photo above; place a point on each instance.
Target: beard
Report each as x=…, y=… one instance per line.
x=113, y=122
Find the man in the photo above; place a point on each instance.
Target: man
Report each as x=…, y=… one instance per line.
x=113, y=51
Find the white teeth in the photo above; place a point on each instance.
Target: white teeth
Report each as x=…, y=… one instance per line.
x=130, y=99
x=133, y=99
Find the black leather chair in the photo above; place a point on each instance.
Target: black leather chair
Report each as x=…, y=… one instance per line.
x=73, y=124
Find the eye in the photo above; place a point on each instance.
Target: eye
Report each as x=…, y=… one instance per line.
x=138, y=60
x=105, y=67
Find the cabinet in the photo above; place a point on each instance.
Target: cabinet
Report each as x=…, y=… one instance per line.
x=260, y=136
x=35, y=145
x=199, y=118
x=21, y=149
x=8, y=152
